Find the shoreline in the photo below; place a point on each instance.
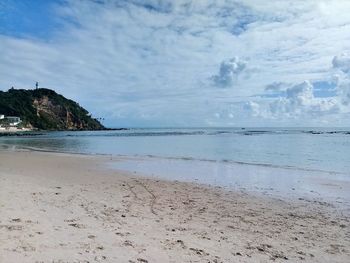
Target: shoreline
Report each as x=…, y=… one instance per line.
x=176, y=158
x=116, y=163
x=14, y=130
x=282, y=182
x=70, y=207
x=286, y=182
x=330, y=181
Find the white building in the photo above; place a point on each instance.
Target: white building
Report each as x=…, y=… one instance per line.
x=13, y=121
x=9, y=120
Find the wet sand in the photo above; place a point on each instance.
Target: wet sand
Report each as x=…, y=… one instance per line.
x=71, y=208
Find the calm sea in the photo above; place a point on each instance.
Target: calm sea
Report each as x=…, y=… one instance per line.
x=318, y=151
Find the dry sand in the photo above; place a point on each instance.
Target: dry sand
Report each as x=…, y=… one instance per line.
x=69, y=208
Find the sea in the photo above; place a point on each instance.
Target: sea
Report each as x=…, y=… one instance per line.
x=289, y=161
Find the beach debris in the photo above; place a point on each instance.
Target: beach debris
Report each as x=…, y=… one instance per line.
x=99, y=258
x=12, y=228
x=76, y=225
x=128, y=243
x=199, y=251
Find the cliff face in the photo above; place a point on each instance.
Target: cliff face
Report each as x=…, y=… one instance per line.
x=45, y=109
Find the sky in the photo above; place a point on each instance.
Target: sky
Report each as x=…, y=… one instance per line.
x=185, y=63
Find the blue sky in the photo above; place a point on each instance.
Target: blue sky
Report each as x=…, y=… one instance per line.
x=28, y=18
x=185, y=63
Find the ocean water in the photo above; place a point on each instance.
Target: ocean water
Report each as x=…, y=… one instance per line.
x=260, y=155
x=316, y=149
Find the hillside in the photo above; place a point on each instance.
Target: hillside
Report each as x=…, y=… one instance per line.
x=46, y=110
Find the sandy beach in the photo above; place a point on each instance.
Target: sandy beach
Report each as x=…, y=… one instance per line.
x=71, y=208
x=13, y=130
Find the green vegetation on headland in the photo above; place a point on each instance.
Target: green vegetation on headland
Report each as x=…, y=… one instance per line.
x=44, y=109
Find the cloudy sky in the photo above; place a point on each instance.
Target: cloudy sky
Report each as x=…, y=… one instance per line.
x=185, y=62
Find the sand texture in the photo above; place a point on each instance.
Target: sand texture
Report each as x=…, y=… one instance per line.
x=70, y=208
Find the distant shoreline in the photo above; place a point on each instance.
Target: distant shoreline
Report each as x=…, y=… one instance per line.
x=12, y=131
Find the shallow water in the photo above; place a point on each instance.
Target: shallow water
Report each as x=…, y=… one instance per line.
x=272, y=180
x=299, y=162
x=302, y=148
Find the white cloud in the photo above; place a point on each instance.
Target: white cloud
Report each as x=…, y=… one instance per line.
x=299, y=103
x=342, y=62
x=300, y=94
x=276, y=86
x=139, y=62
x=343, y=90
x=252, y=108
x=229, y=72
